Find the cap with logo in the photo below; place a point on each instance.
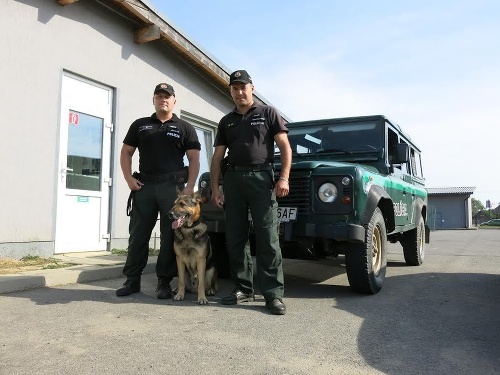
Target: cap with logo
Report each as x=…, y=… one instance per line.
x=240, y=76
x=164, y=87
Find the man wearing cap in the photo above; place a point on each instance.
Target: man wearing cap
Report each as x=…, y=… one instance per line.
x=162, y=139
x=249, y=133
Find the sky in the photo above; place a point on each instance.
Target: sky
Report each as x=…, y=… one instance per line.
x=433, y=67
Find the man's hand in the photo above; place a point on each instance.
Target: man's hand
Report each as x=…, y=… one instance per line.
x=217, y=198
x=188, y=190
x=282, y=188
x=134, y=184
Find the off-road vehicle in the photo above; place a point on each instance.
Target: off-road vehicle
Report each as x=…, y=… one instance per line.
x=355, y=184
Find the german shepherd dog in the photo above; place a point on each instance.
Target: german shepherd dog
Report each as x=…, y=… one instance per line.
x=192, y=249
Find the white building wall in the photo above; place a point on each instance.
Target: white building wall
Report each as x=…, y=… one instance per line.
x=39, y=40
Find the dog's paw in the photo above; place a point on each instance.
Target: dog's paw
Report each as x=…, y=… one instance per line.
x=178, y=297
x=202, y=301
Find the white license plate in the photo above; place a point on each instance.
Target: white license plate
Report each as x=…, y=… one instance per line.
x=285, y=214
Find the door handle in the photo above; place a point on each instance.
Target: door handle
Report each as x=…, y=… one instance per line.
x=64, y=171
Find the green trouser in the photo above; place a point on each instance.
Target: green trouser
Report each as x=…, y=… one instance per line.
x=254, y=190
x=148, y=201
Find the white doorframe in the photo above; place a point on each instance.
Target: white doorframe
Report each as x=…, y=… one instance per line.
x=84, y=166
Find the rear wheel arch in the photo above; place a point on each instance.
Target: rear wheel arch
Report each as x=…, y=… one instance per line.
x=413, y=242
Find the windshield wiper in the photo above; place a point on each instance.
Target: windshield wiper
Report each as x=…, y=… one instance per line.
x=294, y=153
x=337, y=150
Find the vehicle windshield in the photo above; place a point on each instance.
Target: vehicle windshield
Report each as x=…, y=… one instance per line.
x=343, y=138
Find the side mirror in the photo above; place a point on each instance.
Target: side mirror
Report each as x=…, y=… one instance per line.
x=402, y=154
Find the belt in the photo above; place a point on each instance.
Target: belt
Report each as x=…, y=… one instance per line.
x=251, y=167
x=176, y=177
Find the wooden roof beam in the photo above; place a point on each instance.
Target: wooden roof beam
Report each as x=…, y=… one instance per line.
x=147, y=34
x=66, y=2
x=176, y=40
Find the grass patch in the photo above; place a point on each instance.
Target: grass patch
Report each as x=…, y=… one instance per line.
x=152, y=251
x=30, y=263
x=119, y=251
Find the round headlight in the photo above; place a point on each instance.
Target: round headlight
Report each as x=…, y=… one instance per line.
x=327, y=192
x=203, y=183
x=346, y=181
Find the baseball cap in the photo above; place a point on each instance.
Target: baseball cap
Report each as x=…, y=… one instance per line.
x=240, y=76
x=165, y=87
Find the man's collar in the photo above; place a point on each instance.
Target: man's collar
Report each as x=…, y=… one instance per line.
x=174, y=117
x=253, y=106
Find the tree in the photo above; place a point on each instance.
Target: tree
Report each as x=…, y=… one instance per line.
x=477, y=206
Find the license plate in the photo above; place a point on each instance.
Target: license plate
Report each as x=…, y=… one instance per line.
x=285, y=214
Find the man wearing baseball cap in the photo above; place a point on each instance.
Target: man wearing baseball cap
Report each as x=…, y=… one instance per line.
x=162, y=140
x=164, y=87
x=240, y=76
x=249, y=133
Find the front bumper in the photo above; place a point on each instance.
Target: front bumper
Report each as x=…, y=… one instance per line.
x=338, y=232
x=291, y=231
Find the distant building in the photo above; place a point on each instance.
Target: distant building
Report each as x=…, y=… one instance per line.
x=450, y=207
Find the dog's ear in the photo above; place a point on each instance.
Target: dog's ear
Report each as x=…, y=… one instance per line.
x=196, y=197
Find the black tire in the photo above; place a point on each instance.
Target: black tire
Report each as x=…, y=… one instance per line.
x=221, y=258
x=413, y=243
x=366, y=263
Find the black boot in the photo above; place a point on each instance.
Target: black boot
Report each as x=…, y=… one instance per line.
x=163, y=290
x=129, y=286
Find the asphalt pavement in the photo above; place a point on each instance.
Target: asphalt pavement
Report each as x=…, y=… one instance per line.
x=441, y=318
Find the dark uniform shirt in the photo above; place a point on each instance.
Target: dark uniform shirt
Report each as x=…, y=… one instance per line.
x=161, y=145
x=250, y=137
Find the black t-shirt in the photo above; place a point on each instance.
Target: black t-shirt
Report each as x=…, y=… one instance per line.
x=162, y=146
x=250, y=137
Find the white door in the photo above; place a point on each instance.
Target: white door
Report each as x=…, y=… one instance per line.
x=83, y=179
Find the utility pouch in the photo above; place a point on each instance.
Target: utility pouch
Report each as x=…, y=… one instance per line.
x=224, y=165
x=131, y=196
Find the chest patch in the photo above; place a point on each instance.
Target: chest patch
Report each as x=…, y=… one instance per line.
x=257, y=120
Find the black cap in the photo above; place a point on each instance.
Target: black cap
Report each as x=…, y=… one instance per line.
x=164, y=87
x=240, y=76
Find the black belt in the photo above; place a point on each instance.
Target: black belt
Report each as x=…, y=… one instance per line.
x=250, y=167
x=177, y=177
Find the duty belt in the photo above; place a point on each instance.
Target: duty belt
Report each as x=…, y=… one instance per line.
x=250, y=167
x=177, y=177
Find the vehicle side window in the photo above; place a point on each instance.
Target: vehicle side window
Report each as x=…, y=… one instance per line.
x=416, y=164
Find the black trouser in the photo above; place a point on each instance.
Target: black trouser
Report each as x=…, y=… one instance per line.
x=148, y=201
x=254, y=190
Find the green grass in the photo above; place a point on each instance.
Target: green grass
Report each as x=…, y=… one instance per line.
x=125, y=251
x=30, y=263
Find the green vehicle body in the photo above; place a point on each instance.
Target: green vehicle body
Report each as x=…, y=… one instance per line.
x=355, y=184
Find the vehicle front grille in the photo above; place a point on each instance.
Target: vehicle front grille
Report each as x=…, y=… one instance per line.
x=299, y=195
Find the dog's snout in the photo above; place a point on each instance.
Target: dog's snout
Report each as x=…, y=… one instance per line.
x=171, y=214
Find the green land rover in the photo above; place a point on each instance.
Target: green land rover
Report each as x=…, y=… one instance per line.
x=355, y=184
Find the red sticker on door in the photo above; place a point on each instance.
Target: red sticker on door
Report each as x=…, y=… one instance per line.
x=73, y=118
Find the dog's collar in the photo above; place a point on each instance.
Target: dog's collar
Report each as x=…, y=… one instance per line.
x=195, y=223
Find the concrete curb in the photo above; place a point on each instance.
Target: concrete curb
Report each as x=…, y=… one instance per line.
x=63, y=276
